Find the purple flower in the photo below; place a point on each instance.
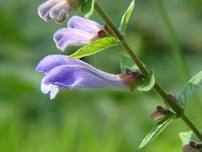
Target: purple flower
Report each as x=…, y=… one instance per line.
x=79, y=31
x=57, y=10
x=63, y=73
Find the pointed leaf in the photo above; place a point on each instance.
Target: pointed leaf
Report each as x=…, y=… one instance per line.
x=193, y=85
x=126, y=17
x=147, y=83
x=156, y=131
x=95, y=47
x=87, y=8
x=186, y=137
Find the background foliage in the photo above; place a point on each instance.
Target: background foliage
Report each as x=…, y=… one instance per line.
x=91, y=120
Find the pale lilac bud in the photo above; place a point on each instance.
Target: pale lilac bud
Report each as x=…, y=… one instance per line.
x=79, y=31
x=57, y=10
x=63, y=73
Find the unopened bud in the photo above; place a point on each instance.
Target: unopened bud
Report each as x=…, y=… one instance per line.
x=57, y=10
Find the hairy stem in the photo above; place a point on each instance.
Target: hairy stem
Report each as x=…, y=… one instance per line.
x=175, y=47
x=167, y=99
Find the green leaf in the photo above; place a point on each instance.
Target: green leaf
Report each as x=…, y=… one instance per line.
x=127, y=63
x=147, y=83
x=87, y=8
x=193, y=85
x=156, y=131
x=126, y=17
x=95, y=47
x=186, y=137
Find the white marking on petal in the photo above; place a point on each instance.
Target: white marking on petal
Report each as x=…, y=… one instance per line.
x=49, y=88
x=54, y=91
x=45, y=89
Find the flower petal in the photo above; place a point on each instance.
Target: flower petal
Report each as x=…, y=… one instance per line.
x=51, y=61
x=49, y=88
x=76, y=76
x=67, y=37
x=84, y=24
x=58, y=12
x=43, y=9
x=54, y=10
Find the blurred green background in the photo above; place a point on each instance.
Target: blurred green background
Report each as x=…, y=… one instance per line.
x=92, y=120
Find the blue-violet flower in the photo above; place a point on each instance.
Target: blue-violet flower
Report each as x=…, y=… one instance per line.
x=80, y=31
x=63, y=73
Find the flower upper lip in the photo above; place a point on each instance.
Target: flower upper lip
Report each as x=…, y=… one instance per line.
x=84, y=24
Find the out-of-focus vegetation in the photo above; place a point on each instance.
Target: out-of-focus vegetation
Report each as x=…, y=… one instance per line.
x=92, y=120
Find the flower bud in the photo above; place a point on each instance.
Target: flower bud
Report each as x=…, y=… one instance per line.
x=57, y=10
x=79, y=31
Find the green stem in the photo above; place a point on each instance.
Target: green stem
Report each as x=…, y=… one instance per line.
x=175, y=46
x=167, y=99
x=176, y=51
